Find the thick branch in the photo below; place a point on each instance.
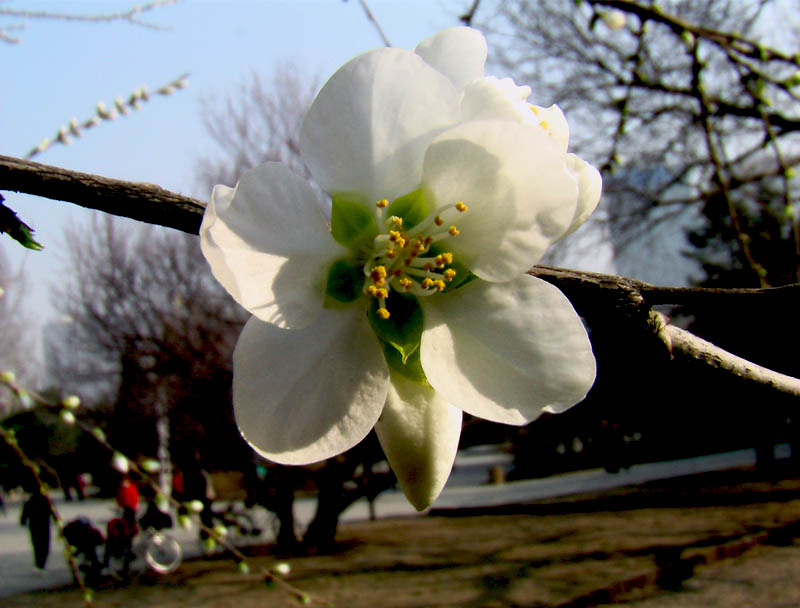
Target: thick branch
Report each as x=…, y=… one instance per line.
x=586, y=290
x=139, y=201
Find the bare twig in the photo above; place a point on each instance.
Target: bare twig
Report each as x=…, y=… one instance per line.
x=120, y=107
x=374, y=22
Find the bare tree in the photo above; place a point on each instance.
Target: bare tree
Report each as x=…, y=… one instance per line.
x=679, y=102
x=16, y=332
x=260, y=123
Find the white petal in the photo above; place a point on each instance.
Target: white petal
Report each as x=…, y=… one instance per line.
x=520, y=195
x=301, y=396
x=419, y=432
x=590, y=186
x=458, y=52
x=506, y=351
x=489, y=98
x=368, y=128
x=268, y=244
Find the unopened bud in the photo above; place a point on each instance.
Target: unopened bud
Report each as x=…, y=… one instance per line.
x=8, y=377
x=67, y=417
x=120, y=463
x=614, y=20
x=220, y=530
x=244, y=568
x=195, y=506
x=71, y=402
x=151, y=465
x=185, y=522
x=99, y=434
x=282, y=568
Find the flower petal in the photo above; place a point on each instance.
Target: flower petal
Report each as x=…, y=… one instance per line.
x=301, y=396
x=268, y=244
x=368, y=128
x=590, y=186
x=457, y=52
x=506, y=351
x=515, y=181
x=489, y=98
x=419, y=432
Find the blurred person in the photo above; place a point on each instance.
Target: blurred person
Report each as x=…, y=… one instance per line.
x=36, y=514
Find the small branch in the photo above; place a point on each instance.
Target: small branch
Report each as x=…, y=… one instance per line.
x=139, y=201
x=681, y=341
x=374, y=22
x=131, y=16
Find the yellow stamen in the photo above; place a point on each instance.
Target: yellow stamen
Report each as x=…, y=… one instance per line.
x=535, y=110
x=383, y=313
x=427, y=283
x=439, y=284
x=453, y=231
x=543, y=124
x=461, y=206
x=391, y=254
x=397, y=237
x=406, y=283
x=397, y=221
x=382, y=204
x=378, y=273
x=449, y=274
x=438, y=221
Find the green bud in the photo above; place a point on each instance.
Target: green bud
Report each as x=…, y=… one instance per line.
x=8, y=377
x=99, y=434
x=71, y=402
x=67, y=417
x=244, y=567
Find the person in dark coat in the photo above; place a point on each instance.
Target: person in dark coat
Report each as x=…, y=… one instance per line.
x=36, y=514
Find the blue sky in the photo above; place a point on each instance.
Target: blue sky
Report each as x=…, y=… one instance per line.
x=60, y=70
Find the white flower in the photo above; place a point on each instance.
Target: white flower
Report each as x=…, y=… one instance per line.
x=405, y=301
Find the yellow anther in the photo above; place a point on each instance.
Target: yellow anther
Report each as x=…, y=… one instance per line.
x=533, y=107
x=372, y=290
x=438, y=220
x=439, y=284
x=397, y=221
x=382, y=204
x=383, y=313
x=448, y=257
x=428, y=266
x=453, y=231
x=378, y=273
x=391, y=254
x=397, y=237
x=383, y=293
x=461, y=206
x=449, y=274
x=427, y=283
x=406, y=283
x=544, y=125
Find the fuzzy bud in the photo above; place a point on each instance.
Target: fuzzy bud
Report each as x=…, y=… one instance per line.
x=71, y=402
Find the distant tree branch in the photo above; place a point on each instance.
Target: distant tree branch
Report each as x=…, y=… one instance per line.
x=587, y=290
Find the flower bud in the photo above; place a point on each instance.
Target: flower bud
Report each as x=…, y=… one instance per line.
x=120, y=463
x=67, y=417
x=71, y=402
x=8, y=377
x=282, y=568
x=99, y=434
x=220, y=530
x=195, y=506
x=244, y=567
x=615, y=19
x=151, y=465
x=185, y=522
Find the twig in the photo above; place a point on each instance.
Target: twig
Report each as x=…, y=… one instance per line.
x=681, y=341
x=120, y=107
x=374, y=22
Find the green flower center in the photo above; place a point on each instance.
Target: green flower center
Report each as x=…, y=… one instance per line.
x=398, y=254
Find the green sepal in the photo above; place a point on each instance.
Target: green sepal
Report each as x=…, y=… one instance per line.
x=411, y=369
x=412, y=207
x=345, y=280
x=403, y=329
x=352, y=224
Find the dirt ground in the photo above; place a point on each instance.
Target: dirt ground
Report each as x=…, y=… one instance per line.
x=717, y=540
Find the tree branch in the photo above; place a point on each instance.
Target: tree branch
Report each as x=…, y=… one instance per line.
x=139, y=201
x=586, y=290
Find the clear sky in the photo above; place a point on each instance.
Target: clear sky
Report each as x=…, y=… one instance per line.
x=60, y=70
